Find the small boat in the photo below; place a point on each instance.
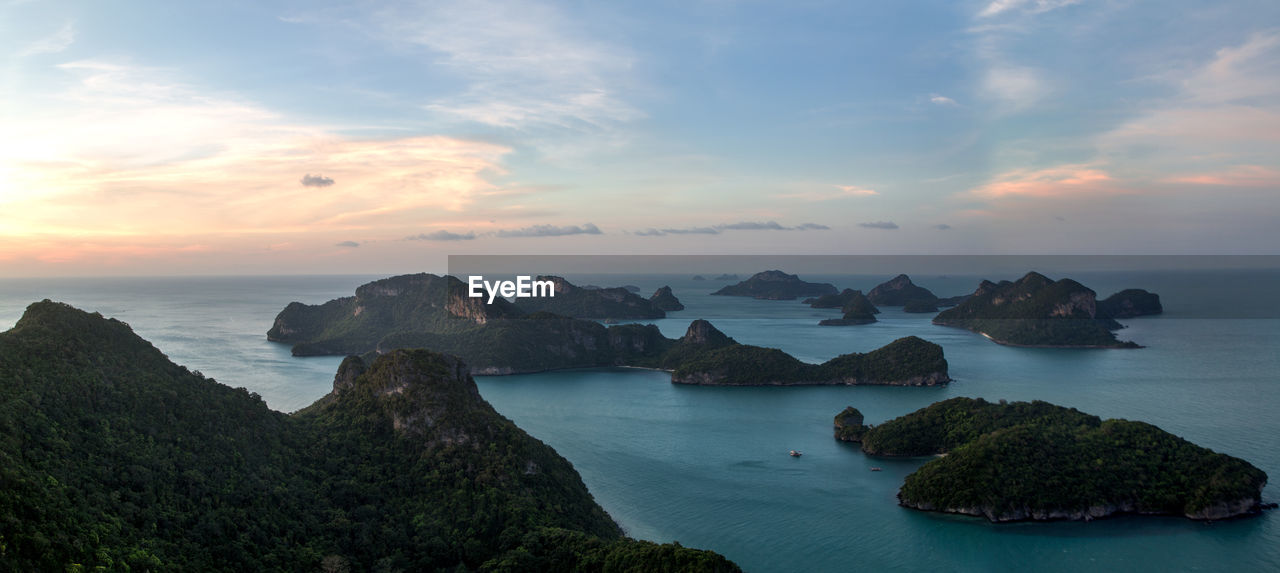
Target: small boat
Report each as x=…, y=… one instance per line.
x=796, y=453
x=875, y=469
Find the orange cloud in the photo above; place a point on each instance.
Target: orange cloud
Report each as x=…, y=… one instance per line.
x=1060, y=181
x=1237, y=176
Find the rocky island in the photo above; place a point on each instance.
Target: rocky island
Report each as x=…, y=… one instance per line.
x=900, y=291
x=1037, y=461
x=123, y=460
x=857, y=310
x=776, y=285
x=1129, y=303
x=665, y=300
x=1035, y=311
x=433, y=312
x=617, y=303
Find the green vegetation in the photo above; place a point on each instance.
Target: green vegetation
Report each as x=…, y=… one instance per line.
x=920, y=306
x=1014, y=461
x=908, y=361
x=603, y=303
x=849, y=426
x=776, y=285
x=426, y=311
x=833, y=300
x=114, y=458
x=1035, y=311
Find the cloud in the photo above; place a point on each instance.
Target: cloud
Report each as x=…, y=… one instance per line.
x=200, y=161
x=550, y=231
x=526, y=64
x=739, y=226
x=942, y=227
x=54, y=43
x=1014, y=87
x=837, y=192
x=348, y=244
x=310, y=180
x=1235, y=176
x=942, y=100
x=890, y=225
x=1057, y=181
x=442, y=235
x=997, y=7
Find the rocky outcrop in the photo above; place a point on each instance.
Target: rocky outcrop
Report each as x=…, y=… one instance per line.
x=704, y=333
x=848, y=425
x=1130, y=303
x=898, y=291
x=664, y=299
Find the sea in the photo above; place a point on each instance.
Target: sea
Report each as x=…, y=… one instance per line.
x=709, y=466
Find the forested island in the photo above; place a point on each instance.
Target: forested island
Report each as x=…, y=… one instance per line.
x=900, y=291
x=1037, y=461
x=115, y=458
x=616, y=303
x=664, y=299
x=776, y=285
x=856, y=308
x=428, y=311
x=1038, y=311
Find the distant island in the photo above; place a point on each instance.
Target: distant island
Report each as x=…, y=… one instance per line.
x=433, y=312
x=699, y=278
x=857, y=310
x=900, y=291
x=909, y=361
x=776, y=285
x=1038, y=311
x=838, y=300
x=665, y=300
x=119, y=459
x=618, y=303
x=726, y=277
x=1037, y=461
x=1130, y=303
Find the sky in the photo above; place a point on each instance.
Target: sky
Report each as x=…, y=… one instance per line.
x=159, y=138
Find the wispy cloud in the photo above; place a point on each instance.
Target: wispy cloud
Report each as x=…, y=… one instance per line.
x=52, y=44
x=739, y=226
x=831, y=193
x=942, y=227
x=550, y=231
x=1015, y=88
x=1057, y=181
x=348, y=244
x=997, y=7
x=887, y=225
x=1235, y=176
x=528, y=64
x=939, y=99
x=442, y=235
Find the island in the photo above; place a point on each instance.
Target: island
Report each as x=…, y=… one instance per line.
x=857, y=310
x=699, y=278
x=1035, y=311
x=920, y=306
x=726, y=277
x=776, y=285
x=899, y=291
x=1016, y=461
x=832, y=300
x=665, y=300
x=908, y=361
x=1130, y=303
x=433, y=312
x=618, y=303
x=118, y=459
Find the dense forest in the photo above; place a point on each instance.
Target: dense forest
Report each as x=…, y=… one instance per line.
x=1034, y=460
x=114, y=458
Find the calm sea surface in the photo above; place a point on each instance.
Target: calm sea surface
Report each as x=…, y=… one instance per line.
x=709, y=466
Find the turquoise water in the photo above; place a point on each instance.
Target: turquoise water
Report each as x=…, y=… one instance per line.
x=709, y=466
